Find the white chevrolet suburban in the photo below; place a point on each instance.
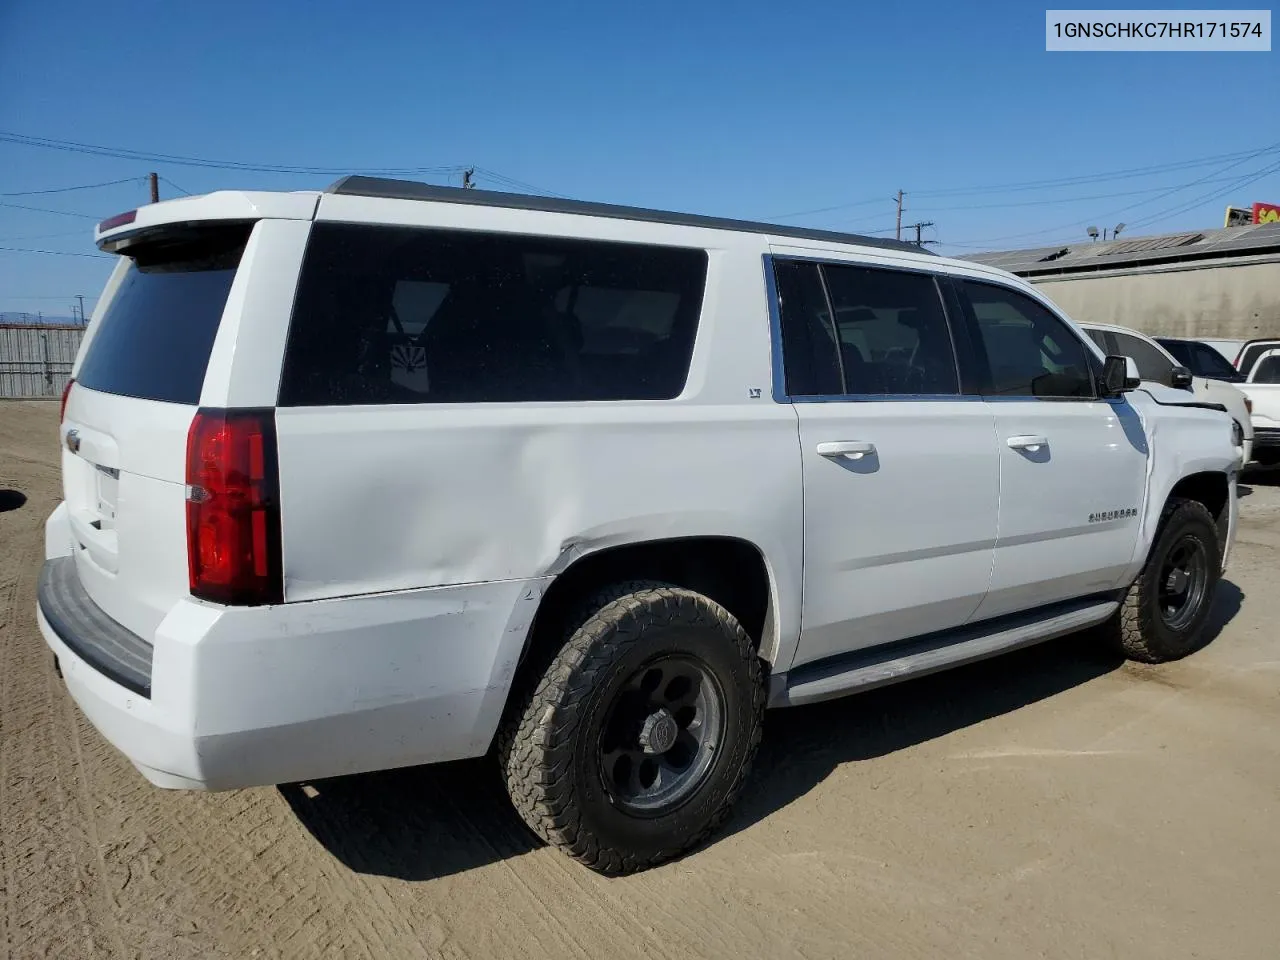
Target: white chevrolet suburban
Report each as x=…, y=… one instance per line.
x=394, y=474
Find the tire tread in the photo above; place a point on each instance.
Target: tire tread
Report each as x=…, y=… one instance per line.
x=535, y=744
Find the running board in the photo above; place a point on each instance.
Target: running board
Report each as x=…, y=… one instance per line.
x=880, y=666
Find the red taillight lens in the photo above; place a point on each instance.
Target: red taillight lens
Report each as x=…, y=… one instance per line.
x=233, y=509
x=66, y=392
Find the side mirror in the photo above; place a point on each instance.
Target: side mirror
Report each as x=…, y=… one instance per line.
x=1180, y=378
x=1118, y=375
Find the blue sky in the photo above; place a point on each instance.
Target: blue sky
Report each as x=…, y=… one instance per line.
x=745, y=109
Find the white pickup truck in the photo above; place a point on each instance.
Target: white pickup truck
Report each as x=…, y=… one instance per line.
x=394, y=474
x=1262, y=387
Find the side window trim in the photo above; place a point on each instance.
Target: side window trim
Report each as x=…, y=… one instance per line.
x=961, y=348
x=971, y=322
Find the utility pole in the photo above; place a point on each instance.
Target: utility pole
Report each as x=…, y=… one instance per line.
x=155, y=187
x=467, y=182
x=80, y=297
x=920, y=226
x=898, y=232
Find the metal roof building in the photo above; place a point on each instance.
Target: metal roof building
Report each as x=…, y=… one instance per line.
x=1205, y=283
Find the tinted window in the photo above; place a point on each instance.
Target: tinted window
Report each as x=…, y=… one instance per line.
x=1100, y=338
x=155, y=337
x=1268, y=370
x=1029, y=351
x=402, y=315
x=1152, y=364
x=1251, y=352
x=893, y=334
x=1180, y=351
x=1202, y=360
x=812, y=366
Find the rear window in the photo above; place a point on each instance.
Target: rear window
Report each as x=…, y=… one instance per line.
x=154, y=340
x=407, y=315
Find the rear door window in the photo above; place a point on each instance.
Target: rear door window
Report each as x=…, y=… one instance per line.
x=154, y=339
x=408, y=315
x=894, y=339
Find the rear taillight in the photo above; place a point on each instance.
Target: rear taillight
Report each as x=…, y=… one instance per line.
x=66, y=392
x=233, y=509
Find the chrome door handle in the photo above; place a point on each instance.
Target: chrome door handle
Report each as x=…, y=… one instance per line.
x=848, y=449
x=1031, y=444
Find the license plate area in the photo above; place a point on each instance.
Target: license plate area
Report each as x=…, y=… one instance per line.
x=107, y=491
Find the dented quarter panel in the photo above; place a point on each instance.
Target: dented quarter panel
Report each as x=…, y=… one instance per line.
x=402, y=497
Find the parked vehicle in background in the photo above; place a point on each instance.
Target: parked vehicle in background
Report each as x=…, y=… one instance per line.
x=1263, y=387
x=1160, y=365
x=1229, y=349
x=1202, y=359
x=1252, y=352
x=394, y=473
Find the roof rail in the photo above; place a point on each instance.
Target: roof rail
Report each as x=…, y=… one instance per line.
x=360, y=186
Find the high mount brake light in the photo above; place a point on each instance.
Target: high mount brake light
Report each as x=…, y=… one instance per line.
x=119, y=220
x=233, y=509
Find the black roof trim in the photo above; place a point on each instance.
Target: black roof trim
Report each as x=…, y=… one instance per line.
x=358, y=186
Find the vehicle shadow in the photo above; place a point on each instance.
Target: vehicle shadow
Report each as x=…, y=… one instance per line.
x=12, y=500
x=418, y=823
x=426, y=822
x=802, y=746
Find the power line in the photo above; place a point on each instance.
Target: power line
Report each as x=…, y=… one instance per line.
x=1249, y=178
x=1047, y=184
x=1244, y=181
x=176, y=187
x=65, y=213
x=838, y=206
x=1102, y=177
x=45, y=236
x=518, y=184
x=1062, y=200
x=1158, y=217
x=57, y=253
x=122, y=153
x=82, y=186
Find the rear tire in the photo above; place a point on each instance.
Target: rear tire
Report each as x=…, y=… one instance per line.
x=1164, y=611
x=639, y=735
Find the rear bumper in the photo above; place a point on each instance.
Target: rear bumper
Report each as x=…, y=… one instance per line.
x=249, y=696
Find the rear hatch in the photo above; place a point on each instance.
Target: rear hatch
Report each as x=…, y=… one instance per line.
x=137, y=387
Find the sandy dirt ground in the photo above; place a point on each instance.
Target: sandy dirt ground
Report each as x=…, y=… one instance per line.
x=1051, y=803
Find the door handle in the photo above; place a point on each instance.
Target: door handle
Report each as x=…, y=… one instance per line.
x=848, y=449
x=1031, y=444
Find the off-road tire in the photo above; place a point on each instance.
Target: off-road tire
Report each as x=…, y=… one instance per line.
x=547, y=745
x=1137, y=630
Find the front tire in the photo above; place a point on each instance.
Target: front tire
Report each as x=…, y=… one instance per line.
x=638, y=737
x=1164, y=612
